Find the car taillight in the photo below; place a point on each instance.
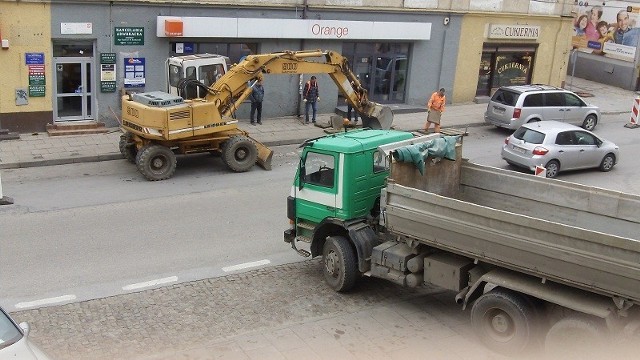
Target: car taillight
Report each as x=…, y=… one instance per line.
x=516, y=113
x=539, y=150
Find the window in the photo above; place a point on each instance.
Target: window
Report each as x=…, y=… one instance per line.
x=554, y=99
x=319, y=169
x=380, y=162
x=564, y=138
x=582, y=138
x=572, y=100
x=528, y=135
x=532, y=100
x=505, y=97
x=208, y=74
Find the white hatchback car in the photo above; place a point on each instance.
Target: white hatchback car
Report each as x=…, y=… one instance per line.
x=558, y=146
x=14, y=341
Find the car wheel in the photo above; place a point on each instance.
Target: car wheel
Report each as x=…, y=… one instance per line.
x=590, y=122
x=553, y=168
x=607, y=162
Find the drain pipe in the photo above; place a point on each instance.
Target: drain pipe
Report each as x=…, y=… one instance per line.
x=301, y=76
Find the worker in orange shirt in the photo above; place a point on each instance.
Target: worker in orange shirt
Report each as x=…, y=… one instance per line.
x=435, y=108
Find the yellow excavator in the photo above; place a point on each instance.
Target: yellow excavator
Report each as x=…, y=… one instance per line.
x=158, y=125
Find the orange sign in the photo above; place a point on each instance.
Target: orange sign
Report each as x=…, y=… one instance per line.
x=173, y=27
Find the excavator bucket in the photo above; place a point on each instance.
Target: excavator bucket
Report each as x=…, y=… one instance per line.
x=380, y=118
x=264, y=155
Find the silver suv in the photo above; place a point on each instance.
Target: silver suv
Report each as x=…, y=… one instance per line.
x=512, y=106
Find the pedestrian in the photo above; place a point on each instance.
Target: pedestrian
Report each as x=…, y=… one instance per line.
x=256, y=97
x=311, y=96
x=355, y=113
x=435, y=108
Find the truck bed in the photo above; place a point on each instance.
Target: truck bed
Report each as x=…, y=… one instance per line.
x=578, y=235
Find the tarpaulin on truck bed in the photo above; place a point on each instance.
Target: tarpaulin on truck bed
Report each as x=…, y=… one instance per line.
x=442, y=147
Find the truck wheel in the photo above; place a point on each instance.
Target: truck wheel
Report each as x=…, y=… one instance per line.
x=505, y=321
x=575, y=335
x=340, y=265
x=128, y=150
x=156, y=162
x=239, y=153
x=553, y=168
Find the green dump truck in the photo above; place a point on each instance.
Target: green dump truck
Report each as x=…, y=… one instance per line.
x=539, y=261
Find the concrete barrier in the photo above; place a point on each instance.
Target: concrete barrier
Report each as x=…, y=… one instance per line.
x=4, y=200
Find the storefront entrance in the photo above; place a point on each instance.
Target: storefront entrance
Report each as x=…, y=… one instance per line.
x=504, y=66
x=381, y=67
x=73, y=97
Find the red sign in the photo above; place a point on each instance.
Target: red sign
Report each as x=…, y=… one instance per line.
x=36, y=69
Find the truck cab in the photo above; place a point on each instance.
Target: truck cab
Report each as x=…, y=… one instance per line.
x=206, y=68
x=337, y=185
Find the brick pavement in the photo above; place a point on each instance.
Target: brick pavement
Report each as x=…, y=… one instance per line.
x=281, y=312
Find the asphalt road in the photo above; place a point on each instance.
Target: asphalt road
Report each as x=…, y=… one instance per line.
x=99, y=231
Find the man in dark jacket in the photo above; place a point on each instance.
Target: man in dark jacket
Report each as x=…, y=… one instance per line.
x=257, y=94
x=311, y=96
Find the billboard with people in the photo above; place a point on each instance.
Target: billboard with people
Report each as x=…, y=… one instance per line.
x=607, y=28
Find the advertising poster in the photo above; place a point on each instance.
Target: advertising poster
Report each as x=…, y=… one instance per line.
x=607, y=28
x=134, y=72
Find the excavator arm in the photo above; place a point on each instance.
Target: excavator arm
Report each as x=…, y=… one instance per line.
x=235, y=86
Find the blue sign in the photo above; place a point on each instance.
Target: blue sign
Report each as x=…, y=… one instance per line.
x=189, y=48
x=134, y=72
x=34, y=58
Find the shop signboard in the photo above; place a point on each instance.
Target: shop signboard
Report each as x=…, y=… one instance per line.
x=36, y=75
x=36, y=90
x=34, y=58
x=107, y=72
x=128, y=36
x=608, y=28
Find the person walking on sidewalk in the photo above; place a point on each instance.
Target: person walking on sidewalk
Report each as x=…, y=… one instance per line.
x=256, y=97
x=311, y=96
x=435, y=108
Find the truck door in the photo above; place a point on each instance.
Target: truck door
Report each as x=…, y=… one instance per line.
x=316, y=192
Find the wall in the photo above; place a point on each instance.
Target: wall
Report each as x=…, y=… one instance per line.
x=26, y=27
x=551, y=59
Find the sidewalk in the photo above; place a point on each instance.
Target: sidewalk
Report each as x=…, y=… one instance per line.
x=40, y=149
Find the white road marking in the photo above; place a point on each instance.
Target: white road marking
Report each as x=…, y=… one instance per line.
x=150, y=283
x=246, y=265
x=41, y=302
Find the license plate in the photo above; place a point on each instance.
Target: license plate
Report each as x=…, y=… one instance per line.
x=519, y=150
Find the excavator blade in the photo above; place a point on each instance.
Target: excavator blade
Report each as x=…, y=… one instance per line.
x=381, y=117
x=264, y=155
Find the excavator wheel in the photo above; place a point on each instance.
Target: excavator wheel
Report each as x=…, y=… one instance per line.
x=127, y=149
x=156, y=162
x=239, y=153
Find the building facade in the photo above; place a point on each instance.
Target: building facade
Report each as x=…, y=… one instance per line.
x=605, y=41
x=72, y=61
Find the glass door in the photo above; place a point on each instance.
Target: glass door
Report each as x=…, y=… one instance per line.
x=74, y=84
x=484, y=75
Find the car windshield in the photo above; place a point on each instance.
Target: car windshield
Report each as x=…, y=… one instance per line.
x=528, y=135
x=505, y=97
x=9, y=333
